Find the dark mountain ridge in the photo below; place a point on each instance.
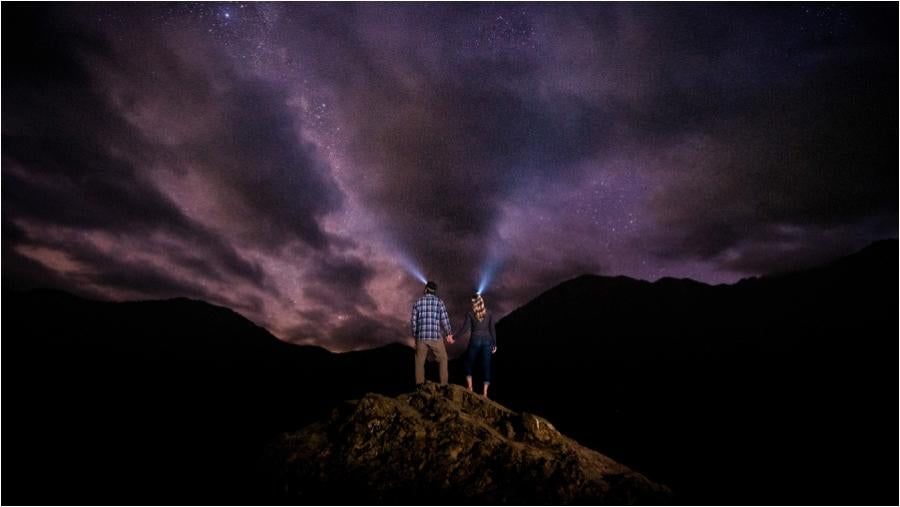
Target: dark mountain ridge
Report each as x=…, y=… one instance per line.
x=753, y=376
x=703, y=388
x=160, y=401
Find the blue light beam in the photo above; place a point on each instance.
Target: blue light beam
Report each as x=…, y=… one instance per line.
x=412, y=269
x=487, y=274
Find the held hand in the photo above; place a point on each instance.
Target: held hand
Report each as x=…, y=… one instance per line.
x=450, y=339
x=494, y=350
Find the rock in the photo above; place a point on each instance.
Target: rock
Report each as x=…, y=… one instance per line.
x=442, y=444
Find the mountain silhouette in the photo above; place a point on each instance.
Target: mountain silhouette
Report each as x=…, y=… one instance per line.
x=709, y=388
x=777, y=389
x=160, y=401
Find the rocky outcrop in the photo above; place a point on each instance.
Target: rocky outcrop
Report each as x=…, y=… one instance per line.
x=442, y=444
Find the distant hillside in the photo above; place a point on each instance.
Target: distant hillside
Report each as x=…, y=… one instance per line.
x=782, y=376
x=146, y=402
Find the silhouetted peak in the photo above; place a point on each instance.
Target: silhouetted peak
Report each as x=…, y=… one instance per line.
x=682, y=282
x=890, y=244
x=872, y=260
x=882, y=249
x=596, y=281
x=48, y=293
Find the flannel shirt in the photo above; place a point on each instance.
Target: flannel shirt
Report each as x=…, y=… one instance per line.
x=429, y=318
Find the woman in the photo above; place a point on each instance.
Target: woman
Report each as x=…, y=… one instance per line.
x=482, y=342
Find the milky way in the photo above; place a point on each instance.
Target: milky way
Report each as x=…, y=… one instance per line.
x=300, y=162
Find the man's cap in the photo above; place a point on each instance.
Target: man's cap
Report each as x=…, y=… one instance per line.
x=431, y=286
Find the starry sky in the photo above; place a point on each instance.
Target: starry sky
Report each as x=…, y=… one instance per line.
x=302, y=163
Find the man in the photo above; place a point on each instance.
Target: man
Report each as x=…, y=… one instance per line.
x=429, y=322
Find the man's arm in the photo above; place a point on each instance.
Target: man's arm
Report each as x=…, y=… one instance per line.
x=413, y=319
x=445, y=323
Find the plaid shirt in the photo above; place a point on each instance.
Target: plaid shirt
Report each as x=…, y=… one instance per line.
x=429, y=317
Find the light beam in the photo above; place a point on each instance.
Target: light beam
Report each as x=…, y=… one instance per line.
x=487, y=274
x=412, y=269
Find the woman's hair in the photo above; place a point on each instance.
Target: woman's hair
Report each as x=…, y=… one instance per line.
x=478, y=307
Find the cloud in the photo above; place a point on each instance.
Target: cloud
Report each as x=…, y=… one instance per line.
x=286, y=161
x=96, y=131
x=351, y=330
x=438, y=147
x=813, y=159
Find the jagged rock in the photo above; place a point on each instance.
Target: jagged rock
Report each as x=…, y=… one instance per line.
x=442, y=444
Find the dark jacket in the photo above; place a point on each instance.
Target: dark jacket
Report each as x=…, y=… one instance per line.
x=483, y=330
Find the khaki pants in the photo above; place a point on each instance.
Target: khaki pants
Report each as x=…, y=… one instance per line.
x=440, y=353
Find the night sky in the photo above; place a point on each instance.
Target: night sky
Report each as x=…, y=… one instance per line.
x=299, y=162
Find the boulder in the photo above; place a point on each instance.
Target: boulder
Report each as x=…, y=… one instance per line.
x=443, y=444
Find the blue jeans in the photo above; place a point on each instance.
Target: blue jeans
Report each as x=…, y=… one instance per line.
x=482, y=348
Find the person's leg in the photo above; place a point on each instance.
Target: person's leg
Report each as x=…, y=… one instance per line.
x=421, y=353
x=471, y=355
x=440, y=353
x=486, y=362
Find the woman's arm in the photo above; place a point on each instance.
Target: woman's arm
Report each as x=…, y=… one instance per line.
x=493, y=330
x=467, y=326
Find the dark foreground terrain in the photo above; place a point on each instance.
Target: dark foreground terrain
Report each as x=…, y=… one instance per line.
x=779, y=390
x=443, y=444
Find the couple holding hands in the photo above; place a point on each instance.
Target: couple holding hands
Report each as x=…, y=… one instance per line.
x=430, y=323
